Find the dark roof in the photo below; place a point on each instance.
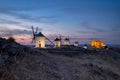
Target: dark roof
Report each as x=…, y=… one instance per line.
x=66, y=39
x=40, y=35
x=76, y=42
x=57, y=39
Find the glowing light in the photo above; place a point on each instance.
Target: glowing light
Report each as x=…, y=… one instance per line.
x=97, y=44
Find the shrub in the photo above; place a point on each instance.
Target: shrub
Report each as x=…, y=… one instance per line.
x=11, y=39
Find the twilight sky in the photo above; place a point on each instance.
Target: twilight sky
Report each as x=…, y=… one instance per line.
x=81, y=20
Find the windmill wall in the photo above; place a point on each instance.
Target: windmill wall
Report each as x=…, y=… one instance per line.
x=40, y=42
x=66, y=42
x=57, y=43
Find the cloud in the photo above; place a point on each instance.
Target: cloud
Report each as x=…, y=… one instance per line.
x=91, y=10
x=4, y=30
x=87, y=28
x=74, y=38
x=116, y=28
x=86, y=32
x=4, y=21
x=6, y=24
x=90, y=28
x=43, y=19
x=17, y=8
x=16, y=13
x=74, y=11
x=21, y=32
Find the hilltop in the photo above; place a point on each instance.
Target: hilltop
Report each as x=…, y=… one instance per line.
x=18, y=62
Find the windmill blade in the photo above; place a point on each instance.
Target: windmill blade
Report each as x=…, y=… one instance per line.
x=60, y=38
x=33, y=40
x=49, y=40
x=33, y=30
x=36, y=30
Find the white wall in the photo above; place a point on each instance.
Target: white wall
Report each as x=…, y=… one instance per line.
x=40, y=42
x=57, y=43
x=66, y=42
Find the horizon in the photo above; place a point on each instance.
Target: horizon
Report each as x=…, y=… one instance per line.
x=80, y=20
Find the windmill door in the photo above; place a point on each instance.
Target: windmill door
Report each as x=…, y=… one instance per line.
x=40, y=45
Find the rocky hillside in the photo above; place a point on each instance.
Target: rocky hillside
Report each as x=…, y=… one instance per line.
x=19, y=62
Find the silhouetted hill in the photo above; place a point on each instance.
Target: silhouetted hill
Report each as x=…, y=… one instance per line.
x=18, y=62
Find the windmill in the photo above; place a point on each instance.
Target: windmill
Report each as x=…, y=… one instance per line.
x=58, y=41
x=67, y=41
x=39, y=38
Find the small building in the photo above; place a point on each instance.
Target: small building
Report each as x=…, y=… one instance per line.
x=76, y=44
x=85, y=46
x=40, y=40
x=57, y=42
x=66, y=41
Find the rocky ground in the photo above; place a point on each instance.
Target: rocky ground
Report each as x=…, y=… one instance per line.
x=19, y=62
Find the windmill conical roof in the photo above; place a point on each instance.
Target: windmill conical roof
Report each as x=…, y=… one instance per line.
x=57, y=39
x=40, y=35
x=66, y=39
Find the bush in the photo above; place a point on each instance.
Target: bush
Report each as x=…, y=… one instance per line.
x=11, y=39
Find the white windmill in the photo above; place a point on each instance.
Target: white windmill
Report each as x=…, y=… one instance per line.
x=66, y=41
x=58, y=41
x=76, y=43
x=39, y=39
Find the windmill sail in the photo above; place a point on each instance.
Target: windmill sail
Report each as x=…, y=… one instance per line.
x=49, y=40
x=36, y=30
x=33, y=39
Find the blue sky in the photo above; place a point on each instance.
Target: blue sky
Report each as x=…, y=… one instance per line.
x=81, y=20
